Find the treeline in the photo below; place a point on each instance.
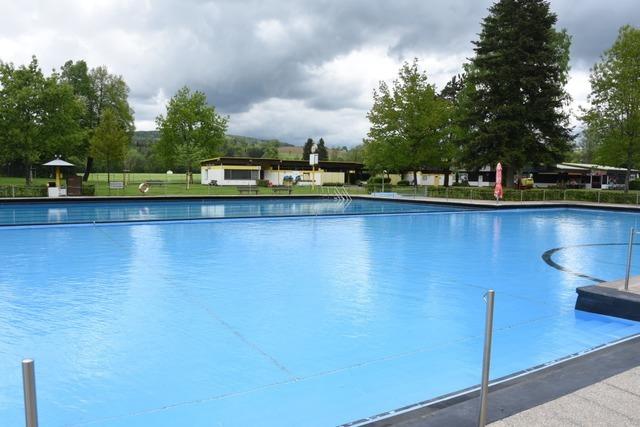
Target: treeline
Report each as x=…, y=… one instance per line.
x=509, y=104
x=61, y=114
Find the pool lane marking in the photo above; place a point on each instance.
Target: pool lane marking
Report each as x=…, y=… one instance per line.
x=547, y=257
x=216, y=317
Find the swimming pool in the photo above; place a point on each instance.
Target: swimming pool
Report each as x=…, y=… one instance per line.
x=162, y=210
x=312, y=321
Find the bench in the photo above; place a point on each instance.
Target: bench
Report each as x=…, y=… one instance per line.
x=247, y=189
x=282, y=189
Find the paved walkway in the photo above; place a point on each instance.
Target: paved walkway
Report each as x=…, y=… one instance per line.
x=493, y=203
x=612, y=402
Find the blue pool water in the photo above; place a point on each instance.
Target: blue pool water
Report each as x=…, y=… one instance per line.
x=158, y=210
x=307, y=321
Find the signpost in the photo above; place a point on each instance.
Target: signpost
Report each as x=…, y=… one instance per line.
x=313, y=161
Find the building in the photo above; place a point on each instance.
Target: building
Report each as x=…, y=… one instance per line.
x=564, y=175
x=248, y=170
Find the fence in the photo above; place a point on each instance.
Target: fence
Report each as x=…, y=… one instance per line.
x=513, y=195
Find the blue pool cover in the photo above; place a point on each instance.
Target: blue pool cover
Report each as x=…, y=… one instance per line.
x=307, y=321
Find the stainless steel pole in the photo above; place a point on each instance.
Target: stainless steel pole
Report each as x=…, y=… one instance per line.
x=29, y=386
x=486, y=359
x=629, y=253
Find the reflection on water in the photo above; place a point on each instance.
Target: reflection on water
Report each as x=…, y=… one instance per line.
x=49, y=213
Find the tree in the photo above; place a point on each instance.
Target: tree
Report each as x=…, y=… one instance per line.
x=191, y=130
x=517, y=77
x=39, y=116
x=406, y=124
x=110, y=140
x=271, y=149
x=306, y=149
x=109, y=91
x=614, y=116
x=323, y=154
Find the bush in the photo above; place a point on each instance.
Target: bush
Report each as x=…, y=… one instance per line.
x=634, y=185
x=378, y=180
x=373, y=188
x=262, y=182
x=333, y=184
x=403, y=183
x=88, y=190
x=23, y=191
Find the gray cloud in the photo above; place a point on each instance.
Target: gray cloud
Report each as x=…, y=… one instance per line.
x=285, y=70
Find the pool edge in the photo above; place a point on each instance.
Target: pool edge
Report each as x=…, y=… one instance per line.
x=517, y=392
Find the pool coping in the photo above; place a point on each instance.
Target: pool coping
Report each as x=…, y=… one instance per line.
x=518, y=392
x=487, y=204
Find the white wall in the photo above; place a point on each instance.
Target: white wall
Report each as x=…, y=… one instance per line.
x=428, y=178
x=208, y=175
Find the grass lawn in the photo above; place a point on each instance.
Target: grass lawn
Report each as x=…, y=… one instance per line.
x=168, y=185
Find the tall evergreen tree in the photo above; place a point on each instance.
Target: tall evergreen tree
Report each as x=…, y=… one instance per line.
x=306, y=149
x=515, y=114
x=110, y=141
x=323, y=154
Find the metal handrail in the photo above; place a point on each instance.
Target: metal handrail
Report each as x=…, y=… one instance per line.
x=632, y=234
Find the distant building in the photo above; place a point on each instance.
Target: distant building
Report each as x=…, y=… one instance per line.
x=566, y=175
x=248, y=170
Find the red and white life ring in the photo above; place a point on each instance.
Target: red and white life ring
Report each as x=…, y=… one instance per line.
x=144, y=187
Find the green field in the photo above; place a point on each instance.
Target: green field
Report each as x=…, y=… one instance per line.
x=161, y=185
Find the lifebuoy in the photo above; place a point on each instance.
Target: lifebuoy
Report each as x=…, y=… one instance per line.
x=144, y=187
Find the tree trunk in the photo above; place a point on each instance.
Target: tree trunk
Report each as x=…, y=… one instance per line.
x=627, y=176
x=415, y=178
x=507, y=176
x=446, y=177
x=27, y=176
x=188, y=174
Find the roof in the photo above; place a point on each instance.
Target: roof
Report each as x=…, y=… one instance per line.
x=58, y=162
x=596, y=167
x=282, y=163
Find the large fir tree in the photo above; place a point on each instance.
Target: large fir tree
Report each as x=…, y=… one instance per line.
x=515, y=114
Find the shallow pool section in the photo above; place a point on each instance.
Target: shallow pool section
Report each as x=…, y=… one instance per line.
x=68, y=212
x=309, y=321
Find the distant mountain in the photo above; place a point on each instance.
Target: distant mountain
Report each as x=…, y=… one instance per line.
x=148, y=137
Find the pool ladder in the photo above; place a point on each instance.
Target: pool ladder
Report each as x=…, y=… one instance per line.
x=341, y=193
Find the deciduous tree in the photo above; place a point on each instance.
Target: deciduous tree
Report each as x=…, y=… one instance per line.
x=407, y=121
x=191, y=129
x=614, y=115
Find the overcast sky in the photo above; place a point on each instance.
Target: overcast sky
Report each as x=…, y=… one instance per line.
x=280, y=69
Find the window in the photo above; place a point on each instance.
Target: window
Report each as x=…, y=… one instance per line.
x=241, y=174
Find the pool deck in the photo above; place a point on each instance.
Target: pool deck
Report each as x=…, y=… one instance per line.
x=599, y=388
x=612, y=402
x=491, y=204
x=507, y=204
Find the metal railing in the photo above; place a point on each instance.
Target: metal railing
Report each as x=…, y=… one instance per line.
x=632, y=234
x=29, y=387
x=486, y=358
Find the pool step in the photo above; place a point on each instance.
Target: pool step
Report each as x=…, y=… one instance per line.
x=610, y=299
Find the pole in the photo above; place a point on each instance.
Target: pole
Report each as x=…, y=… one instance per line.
x=29, y=386
x=486, y=359
x=629, y=253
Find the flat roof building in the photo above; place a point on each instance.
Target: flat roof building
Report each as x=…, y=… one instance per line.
x=248, y=170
